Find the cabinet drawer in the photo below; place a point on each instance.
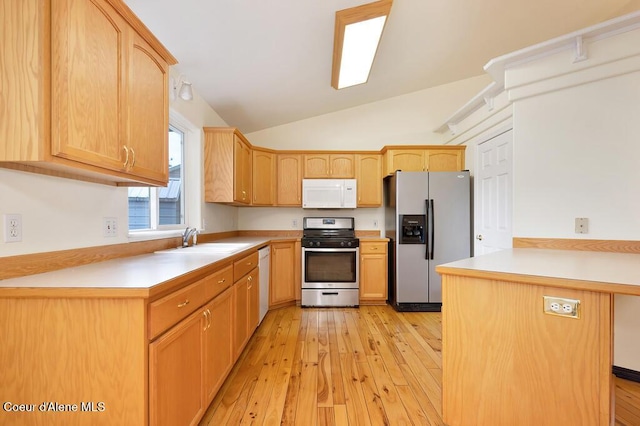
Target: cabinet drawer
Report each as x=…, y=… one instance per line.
x=165, y=312
x=244, y=265
x=218, y=282
x=373, y=248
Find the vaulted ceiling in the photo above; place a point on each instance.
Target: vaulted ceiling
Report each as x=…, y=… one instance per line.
x=260, y=64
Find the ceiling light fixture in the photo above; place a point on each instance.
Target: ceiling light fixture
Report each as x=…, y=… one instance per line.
x=357, y=35
x=180, y=87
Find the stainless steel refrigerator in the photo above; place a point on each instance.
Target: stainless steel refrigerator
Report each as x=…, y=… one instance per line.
x=428, y=222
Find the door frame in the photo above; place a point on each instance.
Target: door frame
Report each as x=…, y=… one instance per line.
x=477, y=142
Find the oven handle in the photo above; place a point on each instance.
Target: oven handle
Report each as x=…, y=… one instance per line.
x=330, y=250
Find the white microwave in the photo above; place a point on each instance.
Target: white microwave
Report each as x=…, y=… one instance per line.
x=329, y=193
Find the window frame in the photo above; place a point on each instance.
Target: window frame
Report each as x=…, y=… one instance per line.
x=189, y=200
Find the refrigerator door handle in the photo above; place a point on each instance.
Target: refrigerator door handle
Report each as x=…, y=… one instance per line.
x=432, y=229
x=427, y=248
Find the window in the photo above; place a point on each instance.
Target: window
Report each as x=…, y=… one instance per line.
x=153, y=208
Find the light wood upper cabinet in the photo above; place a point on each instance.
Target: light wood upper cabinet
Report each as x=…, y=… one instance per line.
x=407, y=160
x=369, y=178
x=89, y=92
x=289, y=180
x=148, y=119
x=329, y=166
x=264, y=173
x=227, y=166
x=432, y=158
x=441, y=160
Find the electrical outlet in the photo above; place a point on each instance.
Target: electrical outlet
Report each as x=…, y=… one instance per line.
x=375, y=224
x=12, y=228
x=561, y=306
x=294, y=223
x=110, y=227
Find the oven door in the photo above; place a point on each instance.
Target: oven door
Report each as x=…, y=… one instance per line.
x=327, y=268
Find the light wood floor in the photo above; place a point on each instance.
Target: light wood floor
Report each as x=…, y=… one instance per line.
x=366, y=366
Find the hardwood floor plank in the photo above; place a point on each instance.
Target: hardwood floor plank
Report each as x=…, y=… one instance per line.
x=309, y=367
x=257, y=407
x=388, y=393
x=307, y=406
x=412, y=406
x=334, y=358
x=326, y=416
x=325, y=375
x=354, y=394
x=340, y=413
x=275, y=408
x=354, y=338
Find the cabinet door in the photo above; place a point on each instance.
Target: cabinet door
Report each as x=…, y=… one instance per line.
x=316, y=166
x=242, y=171
x=218, y=343
x=342, y=166
x=373, y=277
x=369, y=176
x=176, y=374
x=444, y=160
x=253, y=285
x=240, y=316
x=289, y=183
x=407, y=160
x=264, y=167
x=88, y=41
x=147, y=115
x=282, y=284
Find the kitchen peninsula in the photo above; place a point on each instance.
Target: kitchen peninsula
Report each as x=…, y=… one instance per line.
x=505, y=359
x=109, y=338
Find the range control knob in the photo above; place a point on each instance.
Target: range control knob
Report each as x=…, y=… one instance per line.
x=342, y=243
x=317, y=243
x=349, y=243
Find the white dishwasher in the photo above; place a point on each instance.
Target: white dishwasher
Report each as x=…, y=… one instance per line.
x=264, y=255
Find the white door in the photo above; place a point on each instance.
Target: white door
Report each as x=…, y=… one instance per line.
x=493, y=194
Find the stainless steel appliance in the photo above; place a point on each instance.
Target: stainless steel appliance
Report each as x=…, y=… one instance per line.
x=330, y=262
x=428, y=222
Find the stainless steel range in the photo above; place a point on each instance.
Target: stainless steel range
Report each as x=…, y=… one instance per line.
x=330, y=262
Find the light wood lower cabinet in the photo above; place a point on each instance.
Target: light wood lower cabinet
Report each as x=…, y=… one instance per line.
x=373, y=272
x=176, y=362
x=282, y=288
x=218, y=343
x=246, y=305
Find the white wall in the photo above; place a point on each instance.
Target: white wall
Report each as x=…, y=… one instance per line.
x=403, y=120
x=60, y=214
x=577, y=154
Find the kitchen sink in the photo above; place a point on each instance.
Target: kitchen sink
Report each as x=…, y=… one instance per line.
x=208, y=248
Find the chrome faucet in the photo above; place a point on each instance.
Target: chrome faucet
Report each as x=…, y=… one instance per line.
x=188, y=233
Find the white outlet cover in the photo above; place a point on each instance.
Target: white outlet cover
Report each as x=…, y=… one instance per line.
x=12, y=228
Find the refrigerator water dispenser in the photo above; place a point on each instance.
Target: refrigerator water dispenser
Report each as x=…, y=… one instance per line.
x=413, y=229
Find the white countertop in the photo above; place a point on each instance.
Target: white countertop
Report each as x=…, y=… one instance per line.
x=599, y=271
x=130, y=273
